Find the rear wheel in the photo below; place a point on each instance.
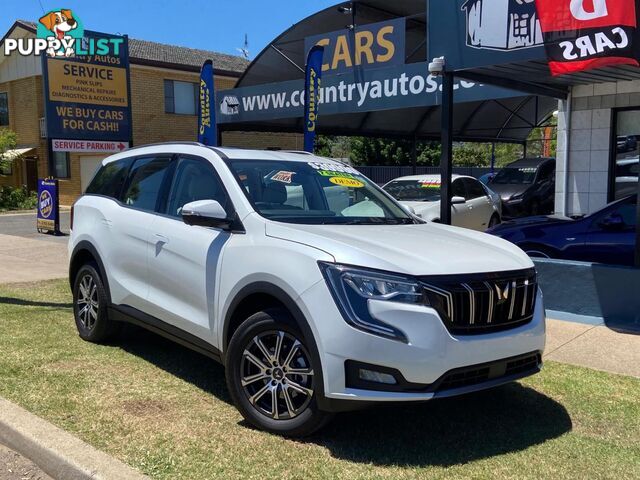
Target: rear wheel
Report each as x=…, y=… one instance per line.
x=271, y=375
x=90, y=306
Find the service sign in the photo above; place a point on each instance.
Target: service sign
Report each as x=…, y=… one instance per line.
x=87, y=146
x=374, y=45
x=87, y=96
x=48, y=217
x=476, y=33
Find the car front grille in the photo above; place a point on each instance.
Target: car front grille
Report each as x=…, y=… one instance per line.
x=482, y=303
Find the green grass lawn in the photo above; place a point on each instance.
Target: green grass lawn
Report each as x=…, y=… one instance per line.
x=165, y=411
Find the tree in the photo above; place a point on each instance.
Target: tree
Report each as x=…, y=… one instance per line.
x=8, y=141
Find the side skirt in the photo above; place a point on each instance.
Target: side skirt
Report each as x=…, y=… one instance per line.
x=124, y=313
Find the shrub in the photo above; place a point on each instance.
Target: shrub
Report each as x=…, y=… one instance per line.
x=17, y=198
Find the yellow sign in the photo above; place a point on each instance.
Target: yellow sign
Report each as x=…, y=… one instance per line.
x=75, y=82
x=346, y=182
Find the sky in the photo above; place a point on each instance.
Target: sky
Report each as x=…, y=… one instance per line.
x=217, y=25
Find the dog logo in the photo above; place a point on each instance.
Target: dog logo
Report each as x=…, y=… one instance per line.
x=230, y=105
x=502, y=25
x=62, y=29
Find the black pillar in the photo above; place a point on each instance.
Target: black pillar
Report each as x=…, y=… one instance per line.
x=415, y=155
x=638, y=229
x=446, y=141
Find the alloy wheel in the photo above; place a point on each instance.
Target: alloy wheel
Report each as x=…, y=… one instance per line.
x=276, y=375
x=87, y=302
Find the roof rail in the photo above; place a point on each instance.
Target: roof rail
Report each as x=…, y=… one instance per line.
x=300, y=152
x=194, y=144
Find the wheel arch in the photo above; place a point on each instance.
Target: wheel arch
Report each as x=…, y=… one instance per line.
x=83, y=253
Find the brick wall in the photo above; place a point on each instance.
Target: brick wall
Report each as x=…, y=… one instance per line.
x=25, y=109
x=589, y=139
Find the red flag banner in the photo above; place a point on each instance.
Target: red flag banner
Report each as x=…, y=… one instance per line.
x=585, y=34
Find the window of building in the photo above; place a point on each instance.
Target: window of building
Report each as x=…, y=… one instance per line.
x=61, y=165
x=180, y=97
x=4, y=109
x=626, y=155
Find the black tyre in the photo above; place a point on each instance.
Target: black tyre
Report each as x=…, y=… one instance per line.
x=271, y=375
x=495, y=220
x=90, y=306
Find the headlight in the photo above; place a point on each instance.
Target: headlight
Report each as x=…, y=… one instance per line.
x=352, y=288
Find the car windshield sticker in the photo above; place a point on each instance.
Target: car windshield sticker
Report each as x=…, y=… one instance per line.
x=333, y=173
x=346, y=182
x=334, y=167
x=430, y=184
x=283, y=176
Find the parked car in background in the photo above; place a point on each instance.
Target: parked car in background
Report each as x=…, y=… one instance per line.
x=474, y=205
x=526, y=186
x=606, y=236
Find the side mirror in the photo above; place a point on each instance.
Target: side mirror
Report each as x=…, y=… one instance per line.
x=409, y=209
x=206, y=213
x=458, y=200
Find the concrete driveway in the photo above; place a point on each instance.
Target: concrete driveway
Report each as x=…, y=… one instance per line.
x=28, y=256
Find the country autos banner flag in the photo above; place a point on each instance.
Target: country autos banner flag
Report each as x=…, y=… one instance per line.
x=313, y=76
x=207, y=129
x=585, y=34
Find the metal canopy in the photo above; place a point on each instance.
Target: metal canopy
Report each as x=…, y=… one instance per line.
x=504, y=120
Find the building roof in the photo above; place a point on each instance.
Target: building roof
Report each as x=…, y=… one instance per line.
x=144, y=52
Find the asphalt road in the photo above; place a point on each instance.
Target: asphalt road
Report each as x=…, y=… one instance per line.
x=24, y=225
x=15, y=467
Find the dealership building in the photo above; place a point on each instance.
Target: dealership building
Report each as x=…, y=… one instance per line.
x=161, y=99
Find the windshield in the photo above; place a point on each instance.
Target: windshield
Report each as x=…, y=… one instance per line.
x=315, y=193
x=414, y=190
x=515, y=175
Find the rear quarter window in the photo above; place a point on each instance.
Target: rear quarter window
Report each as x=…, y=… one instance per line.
x=110, y=179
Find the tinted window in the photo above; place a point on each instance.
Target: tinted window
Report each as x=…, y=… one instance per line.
x=145, y=182
x=474, y=189
x=110, y=178
x=194, y=180
x=457, y=189
x=546, y=172
x=515, y=176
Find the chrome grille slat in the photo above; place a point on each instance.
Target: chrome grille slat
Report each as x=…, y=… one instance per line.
x=481, y=303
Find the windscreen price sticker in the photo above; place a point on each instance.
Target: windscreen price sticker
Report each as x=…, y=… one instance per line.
x=346, y=182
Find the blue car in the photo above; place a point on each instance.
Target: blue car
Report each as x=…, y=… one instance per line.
x=606, y=236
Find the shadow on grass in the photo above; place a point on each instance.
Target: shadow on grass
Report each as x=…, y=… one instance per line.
x=192, y=367
x=440, y=432
x=446, y=432
x=31, y=303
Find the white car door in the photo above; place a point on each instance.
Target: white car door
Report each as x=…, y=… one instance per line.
x=479, y=205
x=125, y=229
x=461, y=213
x=184, y=259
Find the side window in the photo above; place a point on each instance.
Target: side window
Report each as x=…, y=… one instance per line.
x=145, y=181
x=546, y=172
x=457, y=189
x=194, y=180
x=110, y=179
x=474, y=189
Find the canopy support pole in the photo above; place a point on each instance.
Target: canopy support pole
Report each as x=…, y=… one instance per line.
x=446, y=151
x=493, y=156
x=637, y=259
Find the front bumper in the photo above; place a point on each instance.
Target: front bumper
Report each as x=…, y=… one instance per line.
x=431, y=355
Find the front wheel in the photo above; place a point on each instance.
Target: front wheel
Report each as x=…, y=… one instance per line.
x=271, y=375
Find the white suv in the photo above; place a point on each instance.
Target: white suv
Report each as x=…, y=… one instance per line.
x=315, y=288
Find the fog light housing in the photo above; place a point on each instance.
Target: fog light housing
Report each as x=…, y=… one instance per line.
x=376, y=377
